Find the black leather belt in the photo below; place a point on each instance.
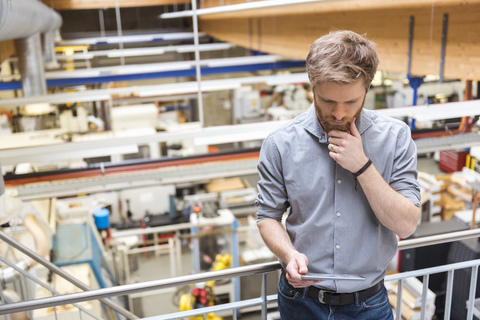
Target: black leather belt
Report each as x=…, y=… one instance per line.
x=340, y=299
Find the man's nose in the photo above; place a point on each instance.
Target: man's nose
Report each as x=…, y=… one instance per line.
x=340, y=111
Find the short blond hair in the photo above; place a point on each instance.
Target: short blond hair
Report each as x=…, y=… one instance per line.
x=342, y=57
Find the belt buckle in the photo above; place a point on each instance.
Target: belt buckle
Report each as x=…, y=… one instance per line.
x=321, y=296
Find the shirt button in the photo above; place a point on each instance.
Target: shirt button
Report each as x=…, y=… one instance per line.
x=337, y=247
x=338, y=214
x=339, y=181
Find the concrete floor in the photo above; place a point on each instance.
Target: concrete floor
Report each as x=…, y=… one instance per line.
x=428, y=164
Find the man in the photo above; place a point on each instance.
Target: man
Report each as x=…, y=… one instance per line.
x=348, y=177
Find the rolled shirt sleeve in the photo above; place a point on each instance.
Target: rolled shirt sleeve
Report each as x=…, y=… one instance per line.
x=404, y=172
x=272, y=198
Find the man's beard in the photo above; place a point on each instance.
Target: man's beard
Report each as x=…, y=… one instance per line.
x=327, y=121
x=327, y=125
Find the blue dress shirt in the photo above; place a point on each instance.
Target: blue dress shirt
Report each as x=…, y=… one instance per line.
x=327, y=220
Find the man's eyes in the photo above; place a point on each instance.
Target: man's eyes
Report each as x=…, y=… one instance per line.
x=334, y=102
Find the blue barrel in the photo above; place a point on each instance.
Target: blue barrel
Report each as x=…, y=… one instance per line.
x=101, y=218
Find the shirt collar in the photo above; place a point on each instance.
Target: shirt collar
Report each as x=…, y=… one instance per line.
x=312, y=125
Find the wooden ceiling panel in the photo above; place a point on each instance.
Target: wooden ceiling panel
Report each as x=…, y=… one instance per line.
x=389, y=28
x=7, y=49
x=331, y=6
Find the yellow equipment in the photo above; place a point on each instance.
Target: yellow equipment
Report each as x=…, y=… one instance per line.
x=201, y=295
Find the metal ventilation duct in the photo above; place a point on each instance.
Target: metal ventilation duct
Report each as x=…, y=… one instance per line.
x=23, y=18
x=24, y=21
x=30, y=64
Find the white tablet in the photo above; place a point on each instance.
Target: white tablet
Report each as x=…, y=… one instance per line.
x=327, y=276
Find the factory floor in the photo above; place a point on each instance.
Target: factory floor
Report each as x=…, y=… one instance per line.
x=427, y=164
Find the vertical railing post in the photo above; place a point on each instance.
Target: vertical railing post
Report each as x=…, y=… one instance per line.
x=264, y=296
x=236, y=260
x=399, y=299
x=2, y=299
x=448, y=295
x=423, y=307
x=196, y=250
x=471, y=296
x=171, y=251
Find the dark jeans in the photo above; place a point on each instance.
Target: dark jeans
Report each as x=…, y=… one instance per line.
x=296, y=305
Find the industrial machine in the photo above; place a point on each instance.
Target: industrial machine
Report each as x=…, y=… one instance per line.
x=202, y=294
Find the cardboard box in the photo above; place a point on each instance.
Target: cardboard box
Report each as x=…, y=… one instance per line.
x=221, y=185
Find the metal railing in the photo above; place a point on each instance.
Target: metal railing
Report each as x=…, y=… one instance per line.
x=263, y=300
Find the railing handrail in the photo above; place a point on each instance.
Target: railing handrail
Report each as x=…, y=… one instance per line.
x=438, y=239
x=189, y=279
x=208, y=276
x=138, y=287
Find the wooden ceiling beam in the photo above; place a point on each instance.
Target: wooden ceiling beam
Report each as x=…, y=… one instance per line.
x=292, y=36
x=329, y=6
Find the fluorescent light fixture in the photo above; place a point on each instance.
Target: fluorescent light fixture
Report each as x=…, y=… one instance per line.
x=289, y=78
x=135, y=52
x=83, y=41
x=132, y=38
x=229, y=138
x=178, y=35
x=241, y=61
x=436, y=111
x=160, y=67
x=135, y=38
x=153, y=67
x=206, y=86
x=237, y=7
x=76, y=56
x=115, y=70
x=203, y=47
x=92, y=95
x=236, y=133
x=157, y=90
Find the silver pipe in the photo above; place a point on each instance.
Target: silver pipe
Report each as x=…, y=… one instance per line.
x=119, y=30
x=11, y=296
x=50, y=266
x=48, y=49
x=30, y=64
x=437, y=239
x=40, y=283
x=197, y=63
x=102, y=22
